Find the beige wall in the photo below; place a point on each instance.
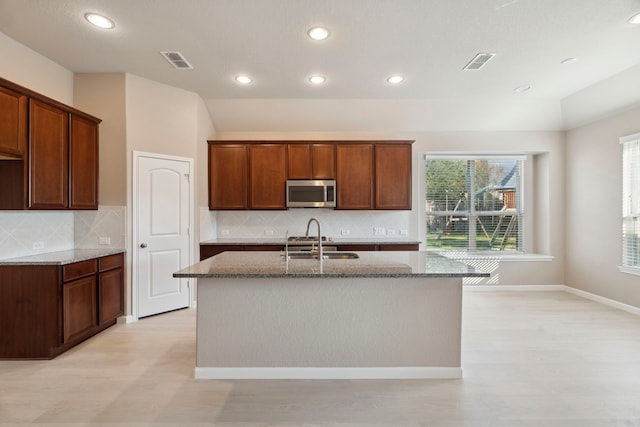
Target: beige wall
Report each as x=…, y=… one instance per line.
x=27, y=68
x=103, y=95
x=594, y=208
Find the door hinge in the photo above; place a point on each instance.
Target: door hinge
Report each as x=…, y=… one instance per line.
x=188, y=176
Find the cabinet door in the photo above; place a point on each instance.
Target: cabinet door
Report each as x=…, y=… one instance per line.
x=13, y=123
x=299, y=161
x=111, y=295
x=78, y=307
x=267, y=174
x=227, y=176
x=354, y=176
x=323, y=161
x=83, y=163
x=48, y=157
x=393, y=176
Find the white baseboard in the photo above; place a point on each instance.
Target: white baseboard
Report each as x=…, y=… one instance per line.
x=127, y=319
x=606, y=301
x=490, y=288
x=299, y=373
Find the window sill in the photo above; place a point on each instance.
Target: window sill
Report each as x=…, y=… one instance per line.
x=507, y=257
x=630, y=270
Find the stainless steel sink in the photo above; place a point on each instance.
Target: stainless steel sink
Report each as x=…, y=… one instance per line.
x=325, y=255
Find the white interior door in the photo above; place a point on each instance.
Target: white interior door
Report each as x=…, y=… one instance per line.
x=162, y=201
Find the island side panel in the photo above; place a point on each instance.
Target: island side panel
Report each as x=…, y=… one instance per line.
x=327, y=322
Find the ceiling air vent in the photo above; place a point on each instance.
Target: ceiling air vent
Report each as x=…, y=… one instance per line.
x=177, y=60
x=479, y=61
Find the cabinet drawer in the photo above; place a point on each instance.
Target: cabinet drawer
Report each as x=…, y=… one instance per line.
x=111, y=261
x=79, y=269
x=399, y=247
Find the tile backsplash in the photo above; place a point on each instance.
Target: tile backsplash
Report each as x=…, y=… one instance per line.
x=107, y=223
x=21, y=231
x=24, y=233
x=335, y=223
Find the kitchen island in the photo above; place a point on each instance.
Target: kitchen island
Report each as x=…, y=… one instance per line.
x=382, y=315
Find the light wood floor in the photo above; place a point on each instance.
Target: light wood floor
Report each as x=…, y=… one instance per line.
x=529, y=359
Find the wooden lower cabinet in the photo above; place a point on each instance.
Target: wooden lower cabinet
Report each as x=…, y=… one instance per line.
x=207, y=251
x=79, y=308
x=47, y=309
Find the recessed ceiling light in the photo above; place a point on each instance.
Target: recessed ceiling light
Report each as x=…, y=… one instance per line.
x=523, y=88
x=568, y=61
x=317, y=80
x=394, y=80
x=318, y=33
x=242, y=79
x=99, y=20
x=635, y=19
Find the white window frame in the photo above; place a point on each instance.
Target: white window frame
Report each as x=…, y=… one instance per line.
x=630, y=203
x=465, y=254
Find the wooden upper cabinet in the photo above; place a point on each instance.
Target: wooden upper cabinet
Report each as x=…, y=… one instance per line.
x=13, y=123
x=323, y=161
x=299, y=161
x=83, y=163
x=393, y=176
x=310, y=161
x=48, y=156
x=268, y=176
x=228, y=176
x=354, y=176
x=48, y=152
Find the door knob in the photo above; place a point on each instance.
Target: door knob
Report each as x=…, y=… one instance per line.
x=143, y=245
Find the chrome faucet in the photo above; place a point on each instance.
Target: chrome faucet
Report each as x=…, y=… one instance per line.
x=313, y=218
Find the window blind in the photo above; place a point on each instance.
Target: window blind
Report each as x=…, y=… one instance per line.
x=631, y=201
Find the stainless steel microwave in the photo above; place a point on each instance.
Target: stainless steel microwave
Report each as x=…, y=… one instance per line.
x=306, y=193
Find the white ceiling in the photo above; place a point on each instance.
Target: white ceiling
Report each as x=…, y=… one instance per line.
x=427, y=41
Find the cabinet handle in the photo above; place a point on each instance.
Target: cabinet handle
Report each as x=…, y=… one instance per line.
x=143, y=245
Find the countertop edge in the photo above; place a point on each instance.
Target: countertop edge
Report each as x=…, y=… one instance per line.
x=60, y=257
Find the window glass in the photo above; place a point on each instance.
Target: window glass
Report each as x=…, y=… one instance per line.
x=474, y=204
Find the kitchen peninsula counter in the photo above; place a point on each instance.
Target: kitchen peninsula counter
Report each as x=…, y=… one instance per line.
x=382, y=315
x=368, y=264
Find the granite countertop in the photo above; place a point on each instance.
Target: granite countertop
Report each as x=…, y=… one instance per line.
x=60, y=257
x=333, y=241
x=370, y=264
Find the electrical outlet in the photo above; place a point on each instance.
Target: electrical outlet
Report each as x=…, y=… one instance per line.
x=105, y=240
x=404, y=232
x=378, y=231
x=345, y=231
x=38, y=245
x=268, y=232
x=224, y=232
x=391, y=232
